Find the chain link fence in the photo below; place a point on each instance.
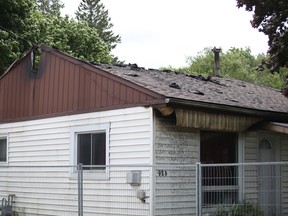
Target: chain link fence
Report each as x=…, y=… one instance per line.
x=258, y=189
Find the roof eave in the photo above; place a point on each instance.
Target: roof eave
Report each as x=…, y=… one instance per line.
x=279, y=116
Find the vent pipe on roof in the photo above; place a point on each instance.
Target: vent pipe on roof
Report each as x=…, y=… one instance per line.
x=216, y=52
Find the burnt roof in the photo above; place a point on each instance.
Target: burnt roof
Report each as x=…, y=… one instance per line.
x=142, y=87
x=210, y=90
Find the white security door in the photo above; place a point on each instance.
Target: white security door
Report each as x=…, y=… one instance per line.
x=268, y=181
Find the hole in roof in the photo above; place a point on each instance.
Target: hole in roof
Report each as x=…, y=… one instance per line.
x=174, y=85
x=132, y=75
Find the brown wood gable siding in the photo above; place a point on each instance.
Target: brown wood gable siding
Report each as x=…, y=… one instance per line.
x=64, y=85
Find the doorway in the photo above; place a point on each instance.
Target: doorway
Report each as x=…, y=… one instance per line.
x=219, y=183
x=269, y=184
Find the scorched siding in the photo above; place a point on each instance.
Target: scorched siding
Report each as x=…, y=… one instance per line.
x=175, y=185
x=251, y=172
x=47, y=142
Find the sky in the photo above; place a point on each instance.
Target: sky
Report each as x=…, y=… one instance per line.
x=162, y=33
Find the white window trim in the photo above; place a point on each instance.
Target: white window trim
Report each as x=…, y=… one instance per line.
x=2, y=136
x=89, y=174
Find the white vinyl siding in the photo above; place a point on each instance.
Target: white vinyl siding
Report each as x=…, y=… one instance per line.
x=175, y=186
x=251, y=172
x=46, y=142
x=284, y=172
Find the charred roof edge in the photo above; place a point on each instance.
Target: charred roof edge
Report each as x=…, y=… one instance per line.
x=280, y=116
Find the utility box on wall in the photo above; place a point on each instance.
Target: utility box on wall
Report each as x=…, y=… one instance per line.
x=133, y=178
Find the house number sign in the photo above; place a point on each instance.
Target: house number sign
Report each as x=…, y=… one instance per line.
x=162, y=173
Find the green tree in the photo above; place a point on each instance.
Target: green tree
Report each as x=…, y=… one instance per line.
x=22, y=25
x=236, y=63
x=50, y=6
x=94, y=13
x=14, y=16
x=270, y=17
x=69, y=36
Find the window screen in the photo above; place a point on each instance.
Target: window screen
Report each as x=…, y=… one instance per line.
x=91, y=149
x=3, y=150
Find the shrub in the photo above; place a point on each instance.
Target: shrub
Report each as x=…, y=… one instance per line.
x=244, y=208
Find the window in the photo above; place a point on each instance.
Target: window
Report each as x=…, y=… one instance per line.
x=89, y=146
x=91, y=149
x=218, y=147
x=220, y=183
x=3, y=150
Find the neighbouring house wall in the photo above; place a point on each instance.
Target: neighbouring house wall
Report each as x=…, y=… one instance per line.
x=53, y=190
x=284, y=173
x=175, y=185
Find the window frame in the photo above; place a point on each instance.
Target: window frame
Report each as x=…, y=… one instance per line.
x=5, y=137
x=89, y=129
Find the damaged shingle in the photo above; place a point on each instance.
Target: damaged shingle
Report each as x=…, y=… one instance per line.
x=206, y=79
x=241, y=85
x=132, y=75
x=94, y=63
x=120, y=65
x=135, y=67
x=216, y=90
x=198, y=77
x=285, y=89
x=174, y=85
x=167, y=71
x=232, y=100
x=195, y=91
x=217, y=82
